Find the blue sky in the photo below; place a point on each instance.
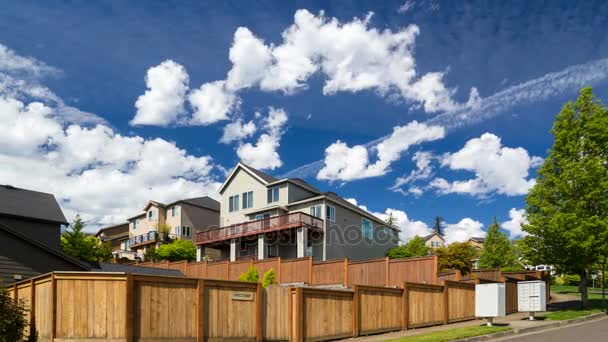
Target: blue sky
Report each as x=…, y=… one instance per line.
x=409, y=61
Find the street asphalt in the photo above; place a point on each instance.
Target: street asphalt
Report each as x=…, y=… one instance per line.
x=596, y=330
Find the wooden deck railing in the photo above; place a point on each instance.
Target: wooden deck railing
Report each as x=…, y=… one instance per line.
x=269, y=224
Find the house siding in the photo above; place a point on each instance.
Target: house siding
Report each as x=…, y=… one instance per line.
x=47, y=233
x=198, y=219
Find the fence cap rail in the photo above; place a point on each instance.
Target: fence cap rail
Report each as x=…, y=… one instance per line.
x=378, y=288
x=313, y=290
x=421, y=285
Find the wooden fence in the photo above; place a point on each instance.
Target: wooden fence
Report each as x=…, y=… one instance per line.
x=497, y=275
x=89, y=306
x=373, y=272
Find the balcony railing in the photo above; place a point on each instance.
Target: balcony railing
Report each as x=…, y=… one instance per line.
x=269, y=224
x=150, y=237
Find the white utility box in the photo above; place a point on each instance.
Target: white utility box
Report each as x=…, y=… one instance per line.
x=490, y=300
x=531, y=296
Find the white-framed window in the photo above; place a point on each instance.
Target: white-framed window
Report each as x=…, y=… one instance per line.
x=331, y=213
x=186, y=231
x=177, y=230
x=233, y=203
x=151, y=215
x=262, y=216
x=247, y=199
x=174, y=210
x=367, y=228
x=315, y=211
x=273, y=194
x=435, y=244
x=135, y=224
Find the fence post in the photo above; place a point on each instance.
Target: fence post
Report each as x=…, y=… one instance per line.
x=200, y=310
x=404, y=307
x=53, y=307
x=345, y=272
x=129, y=303
x=457, y=275
x=387, y=267
x=355, y=311
x=259, y=319
x=445, y=302
x=279, y=272
x=310, y=271
x=299, y=319
x=32, y=308
x=227, y=270
x=435, y=267
x=186, y=268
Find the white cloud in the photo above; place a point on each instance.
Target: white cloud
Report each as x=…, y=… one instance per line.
x=513, y=226
x=463, y=230
x=249, y=57
x=349, y=163
x=11, y=62
x=408, y=5
x=163, y=102
x=423, y=170
x=237, y=130
x=212, y=102
x=499, y=169
x=264, y=154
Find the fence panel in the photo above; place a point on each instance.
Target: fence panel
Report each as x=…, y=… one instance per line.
x=237, y=268
x=264, y=265
x=426, y=305
x=451, y=275
x=217, y=270
x=276, y=313
x=461, y=301
x=380, y=309
x=368, y=272
x=510, y=294
x=196, y=270
x=42, y=309
x=295, y=271
x=24, y=295
x=417, y=270
x=322, y=314
x=328, y=272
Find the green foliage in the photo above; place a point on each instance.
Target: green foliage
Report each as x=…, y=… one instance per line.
x=252, y=275
x=269, y=278
x=177, y=250
x=497, y=249
x=453, y=334
x=416, y=246
x=12, y=318
x=569, y=280
x=438, y=225
x=458, y=255
x=567, y=209
x=88, y=248
x=151, y=254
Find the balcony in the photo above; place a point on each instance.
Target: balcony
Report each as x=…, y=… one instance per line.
x=149, y=238
x=274, y=223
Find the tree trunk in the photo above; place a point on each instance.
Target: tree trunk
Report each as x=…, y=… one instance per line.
x=583, y=289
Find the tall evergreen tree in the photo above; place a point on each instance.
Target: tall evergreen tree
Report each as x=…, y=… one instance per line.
x=438, y=225
x=76, y=243
x=497, y=249
x=567, y=209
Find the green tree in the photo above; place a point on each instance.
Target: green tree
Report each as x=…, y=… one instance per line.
x=391, y=219
x=77, y=244
x=252, y=275
x=497, y=249
x=458, y=255
x=150, y=254
x=269, y=278
x=438, y=225
x=416, y=246
x=177, y=250
x=567, y=208
x=103, y=251
x=12, y=318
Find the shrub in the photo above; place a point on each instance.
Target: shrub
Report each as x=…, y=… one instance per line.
x=269, y=278
x=12, y=318
x=571, y=279
x=252, y=275
x=177, y=250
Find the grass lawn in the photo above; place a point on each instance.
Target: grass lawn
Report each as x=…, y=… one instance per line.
x=453, y=334
x=595, y=300
x=569, y=314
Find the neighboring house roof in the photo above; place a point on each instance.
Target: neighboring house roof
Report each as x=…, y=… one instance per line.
x=264, y=178
x=35, y=243
x=202, y=202
x=428, y=237
x=108, y=267
x=30, y=204
x=477, y=239
x=113, y=230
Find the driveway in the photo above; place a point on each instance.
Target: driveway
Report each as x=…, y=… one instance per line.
x=596, y=330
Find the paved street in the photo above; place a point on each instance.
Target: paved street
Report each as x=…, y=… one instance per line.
x=596, y=330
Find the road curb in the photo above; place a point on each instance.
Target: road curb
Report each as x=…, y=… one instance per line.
x=556, y=324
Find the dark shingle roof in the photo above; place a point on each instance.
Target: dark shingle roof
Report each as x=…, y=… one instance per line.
x=268, y=178
x=431, y=235
x=205, y=202
x=30, y=204
x=108, y=267
x=478, y=239
x=304, y=184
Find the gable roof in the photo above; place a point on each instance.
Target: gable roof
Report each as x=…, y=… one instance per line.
x=262, y=177
x=30, y=204
x=477, y=239
x=426, y=238
x=57, y=253
x=109, y=267
x=204, y=202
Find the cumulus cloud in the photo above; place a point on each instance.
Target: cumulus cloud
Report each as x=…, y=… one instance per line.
x=237, y=130
x=350, y=163
x=212, y=102
x=499, y=169
x=463, y=230
x=163, y=102
x=513, y=225
x=263, y=154
x=250, y=57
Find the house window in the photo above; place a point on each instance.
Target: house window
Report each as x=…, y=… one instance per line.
x=262, y=216
x=233, y=204
x=174, y=210
x=331, y=213
x=247, y=200
x=309, y=248
x=435, y=244
x=135, y=224
x=316, y=211
x=186, y=231
x=150, y=215
x=366, y=228
x=178, y=230
x=273, y=194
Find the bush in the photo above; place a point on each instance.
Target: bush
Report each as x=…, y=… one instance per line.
x=12, y=318
x=177, y=250
x=150, y=254
x=571, y=279
x=252, y=275
x=269, y=278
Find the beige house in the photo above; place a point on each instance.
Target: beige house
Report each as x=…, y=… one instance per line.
x=434, y=240
x=477, y=242
x=262, y=216
x=161, y=222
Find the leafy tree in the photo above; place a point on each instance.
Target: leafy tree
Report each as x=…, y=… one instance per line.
x=77, y=244
x=567, y=208
x=252, y=275
x=497, y=249
x=438, y=225
x=269, y=278
x=416, y=246
x=151, y=255
x=458, y=255
x=12, y=318
x=103, y=251
x=177, y=250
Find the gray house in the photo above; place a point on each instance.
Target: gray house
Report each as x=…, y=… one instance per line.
x=263, y=217
x=30, y=228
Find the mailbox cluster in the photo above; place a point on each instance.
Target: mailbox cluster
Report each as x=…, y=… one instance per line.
x=531, y=297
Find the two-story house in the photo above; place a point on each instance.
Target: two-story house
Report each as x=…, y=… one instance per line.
x=117, y=235
x=434, y=240
x=262, y=216
x=161, y=222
